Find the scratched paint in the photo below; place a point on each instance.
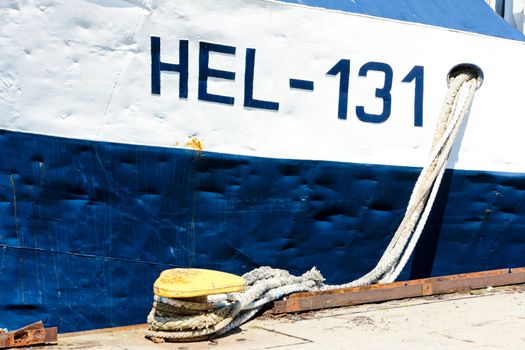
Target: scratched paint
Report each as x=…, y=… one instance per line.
x=15, y=212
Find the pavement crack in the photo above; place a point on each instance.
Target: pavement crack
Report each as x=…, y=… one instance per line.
x=301, y=340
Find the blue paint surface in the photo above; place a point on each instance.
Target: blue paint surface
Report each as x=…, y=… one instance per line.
x=249, y=100
x=382, y=93
x=302, y=84
x=467, y=15
x=86, y=227
x=206, y=72
x=417, y=74
x=342, y=68
x=182, y=68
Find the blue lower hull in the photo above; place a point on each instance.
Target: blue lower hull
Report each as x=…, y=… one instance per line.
x=86, y=227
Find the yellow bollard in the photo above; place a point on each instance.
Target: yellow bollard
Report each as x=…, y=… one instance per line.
x=191, y=283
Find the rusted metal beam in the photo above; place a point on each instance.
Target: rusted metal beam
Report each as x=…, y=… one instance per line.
x=33, y=334
x=398, y=290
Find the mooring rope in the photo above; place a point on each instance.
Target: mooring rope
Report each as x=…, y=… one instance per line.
x=179, y=320
x=454, y=111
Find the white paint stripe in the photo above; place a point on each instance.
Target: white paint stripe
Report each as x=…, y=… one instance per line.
x=62, y=64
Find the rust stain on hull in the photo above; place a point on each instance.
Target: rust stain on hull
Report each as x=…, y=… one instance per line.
x=195, y=144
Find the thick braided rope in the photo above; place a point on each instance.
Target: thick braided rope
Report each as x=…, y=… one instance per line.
x=177, y=320
x=466, y=96
x=454, y=111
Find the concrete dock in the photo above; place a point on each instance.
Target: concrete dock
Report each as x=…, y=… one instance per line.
x=492, y=318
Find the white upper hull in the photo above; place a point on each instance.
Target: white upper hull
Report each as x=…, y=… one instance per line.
x=83, y=70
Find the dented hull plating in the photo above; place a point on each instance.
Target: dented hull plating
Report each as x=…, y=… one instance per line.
x=91, y=225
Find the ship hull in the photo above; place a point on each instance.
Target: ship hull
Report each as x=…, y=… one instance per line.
x=138, y=136
x=92, y=224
